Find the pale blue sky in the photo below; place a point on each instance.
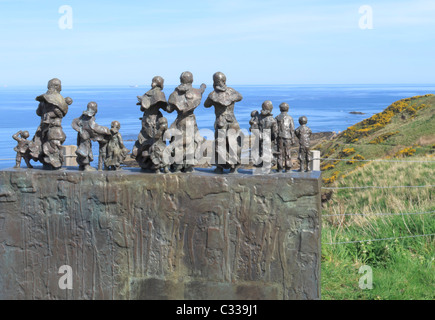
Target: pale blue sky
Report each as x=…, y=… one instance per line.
x=253, y=42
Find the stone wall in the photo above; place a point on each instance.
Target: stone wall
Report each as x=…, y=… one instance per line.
x=132, y=235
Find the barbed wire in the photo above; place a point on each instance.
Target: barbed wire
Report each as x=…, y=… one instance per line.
x=376, y=214
x=377, y=160
x=376, y=187
x=382, y=239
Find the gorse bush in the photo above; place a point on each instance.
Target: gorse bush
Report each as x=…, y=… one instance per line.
x=383, y=137
x=332, y=178
x=355, y=157
x=346, y=152
x=328, y=166
x=405, y=152
x=330, y=153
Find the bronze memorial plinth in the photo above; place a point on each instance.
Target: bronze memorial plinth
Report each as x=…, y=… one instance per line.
x=129, y=235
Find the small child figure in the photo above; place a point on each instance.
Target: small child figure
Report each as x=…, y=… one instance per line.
x=52, y=148
x=286, y=138
x=89, y=130
x=304, y=135
x=254, y=120
x=158, y=148
x=116, y=151
x=55, y=113
x=22, y=148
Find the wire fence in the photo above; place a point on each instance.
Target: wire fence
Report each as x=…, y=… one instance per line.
x=377, y=160
x=382, y=239
x=378, y=187
x=377, y=214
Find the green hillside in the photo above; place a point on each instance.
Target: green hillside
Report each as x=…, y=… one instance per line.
x=386, y=228
x=406, y=128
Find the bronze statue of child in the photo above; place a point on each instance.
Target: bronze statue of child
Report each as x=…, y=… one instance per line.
x=158, y=148
x=304, y=135
x=88, y=130
x=22, y=148
x=286, y=138
x=116, y=151
x=254, y=120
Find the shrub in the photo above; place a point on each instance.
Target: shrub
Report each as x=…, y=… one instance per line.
x=332, y=178
x=346, y=152
x=422, y=106
x=405, y=152
x=355, y=157
x=383, y=137
x=327, y=167
x=411, y=111
x=327, y=155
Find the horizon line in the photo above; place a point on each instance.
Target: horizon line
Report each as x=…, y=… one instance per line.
x=259, y=84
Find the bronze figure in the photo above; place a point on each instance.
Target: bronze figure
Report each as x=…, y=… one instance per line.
x=49, y=137
x=304, y=135
x=22, y=148
x=185, y=99
x=228, y=139
x=264, y=127
x=150, y=104
x=159, y=158
x=285, y=138
x=88, y=130
x=116, y=150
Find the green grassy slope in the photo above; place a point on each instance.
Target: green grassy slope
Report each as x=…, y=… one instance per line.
x=403, y=264
x=407, y=123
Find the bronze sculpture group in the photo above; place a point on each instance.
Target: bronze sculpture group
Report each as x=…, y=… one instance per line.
x=112, y=151
x=275, y=136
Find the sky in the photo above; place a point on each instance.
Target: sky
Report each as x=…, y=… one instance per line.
x=253, y=42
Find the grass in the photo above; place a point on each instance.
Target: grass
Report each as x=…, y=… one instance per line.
x=402, y=265
x=402, y=268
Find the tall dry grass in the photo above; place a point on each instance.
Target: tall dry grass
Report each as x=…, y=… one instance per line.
x=385, y=199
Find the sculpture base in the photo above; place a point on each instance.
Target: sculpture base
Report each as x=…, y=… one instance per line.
x=131, y=235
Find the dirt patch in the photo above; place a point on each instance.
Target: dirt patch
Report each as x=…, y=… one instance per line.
x=426, y=140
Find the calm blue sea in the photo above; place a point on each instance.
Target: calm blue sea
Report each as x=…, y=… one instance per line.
x=326, y=106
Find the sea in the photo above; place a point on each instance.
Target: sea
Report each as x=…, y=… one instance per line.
x=327, y=107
